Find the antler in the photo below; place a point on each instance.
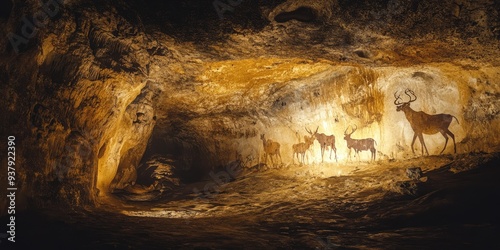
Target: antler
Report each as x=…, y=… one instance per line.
x=353, y=129
x=412, y=93
x=308, y=131
x=397, y=98
x=345, y=132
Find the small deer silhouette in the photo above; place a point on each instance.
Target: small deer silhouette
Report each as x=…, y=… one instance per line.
x=325, y=141
x=423, y=123
x=301, y=148
x=359, y=144
x=271, y=148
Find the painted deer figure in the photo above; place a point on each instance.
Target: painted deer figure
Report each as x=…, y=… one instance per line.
x=271, y=148
x=360, y=144
x=301, y=148
x=423, y=123
x=325, y=141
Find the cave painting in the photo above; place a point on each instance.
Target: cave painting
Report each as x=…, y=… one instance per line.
x=423, y=123
x=325, y=141
x=271, y=148
x=301, y=148
x=359, y=144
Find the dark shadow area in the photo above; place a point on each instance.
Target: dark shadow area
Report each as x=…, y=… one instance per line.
x=180, y=148
x=200, y=20
x=5, y=9
x=463, y=198
x=302, y=14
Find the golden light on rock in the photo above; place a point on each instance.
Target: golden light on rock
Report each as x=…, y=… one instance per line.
x=247, y=76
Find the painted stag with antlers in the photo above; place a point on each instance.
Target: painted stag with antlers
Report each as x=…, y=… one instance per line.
x=325, y=141
x=359, y=144
x=423, y=123
x=271, y=148
x=301, y=148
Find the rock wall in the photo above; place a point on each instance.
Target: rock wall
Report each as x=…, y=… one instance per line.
x=79, y=101
x=282, y=97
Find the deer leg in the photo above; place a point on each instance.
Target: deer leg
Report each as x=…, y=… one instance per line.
x=335, y=149
x=322, y=152
x=413, y=142
x=446, y=140
x=421, y=138
x=452, y=137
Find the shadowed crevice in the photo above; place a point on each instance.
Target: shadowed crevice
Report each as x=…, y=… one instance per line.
x=302, y=14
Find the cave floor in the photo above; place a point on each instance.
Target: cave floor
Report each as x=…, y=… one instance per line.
x=357, y=205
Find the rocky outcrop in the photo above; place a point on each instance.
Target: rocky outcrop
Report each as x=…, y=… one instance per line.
x=84, y=102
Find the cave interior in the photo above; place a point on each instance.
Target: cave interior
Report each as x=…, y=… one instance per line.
x=233, y=124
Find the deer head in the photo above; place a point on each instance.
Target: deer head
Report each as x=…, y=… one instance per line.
x=400, y=105
x=309, y=139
